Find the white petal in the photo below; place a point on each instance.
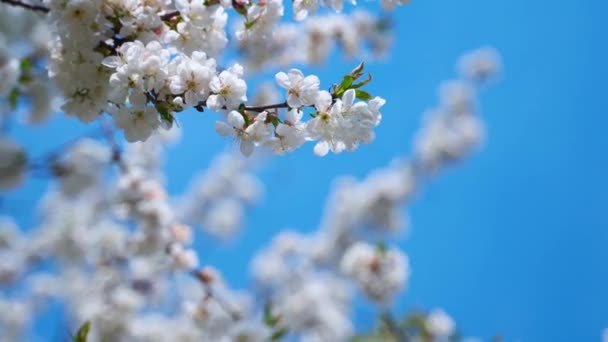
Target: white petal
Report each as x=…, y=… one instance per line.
x=214, y=102
x=294, y=116
x=321, y=148
x=376, y=103
x=215, y=84
x=246, y=147
x=137, y=99
x=283, y=80
x=223, y=129
x=323, y=101
x=283, y=129
x=311, y=82
x=348, y=98
x=191, y=98
x=294, y=101
x=236, y=119
x=295, y=75
x=300, y=14
x=112, y=61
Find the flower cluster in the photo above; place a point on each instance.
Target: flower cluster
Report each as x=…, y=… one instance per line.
x=312, y=41
x=25, y=83
x=452, y=129
x=349, y=246
x=380, y=273
x=218, y=198
x=117, y=248
x=143, y=69
x=142, y=62
x=338, y=122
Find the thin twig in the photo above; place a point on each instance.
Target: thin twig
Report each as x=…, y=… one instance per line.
x=116, y=151
x=25, y=5
x=209, y=294
x=263, y=108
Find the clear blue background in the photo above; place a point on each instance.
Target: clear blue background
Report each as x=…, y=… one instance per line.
x=515, y=240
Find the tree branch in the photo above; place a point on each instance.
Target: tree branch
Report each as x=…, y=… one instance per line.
x=263, y=108
x=199, y=106
x=169, y=16
x=25, y=5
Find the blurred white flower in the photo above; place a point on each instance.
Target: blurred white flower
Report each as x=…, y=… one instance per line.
x=439, y=324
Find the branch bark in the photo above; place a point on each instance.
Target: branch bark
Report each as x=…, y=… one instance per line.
x=26, y=5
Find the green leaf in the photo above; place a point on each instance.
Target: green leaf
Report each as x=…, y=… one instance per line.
x=25, y=65
x=13, y=97
x=362, y=83
x=363, y=95
x=274, y=120
x=358, y=71
x=165, y=114
x=346, y=82
x=384, y=24
x=279, y=334
x=270, y=319
x=83, y=332
x=381, y=247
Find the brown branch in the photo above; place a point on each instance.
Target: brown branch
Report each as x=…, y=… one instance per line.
x=169, y=16
x=263, y=108
x=26, y=5
x=200, y=107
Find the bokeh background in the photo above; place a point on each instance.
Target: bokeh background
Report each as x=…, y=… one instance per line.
x=514, y=241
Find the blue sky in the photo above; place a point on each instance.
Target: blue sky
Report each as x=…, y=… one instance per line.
x=513, y=241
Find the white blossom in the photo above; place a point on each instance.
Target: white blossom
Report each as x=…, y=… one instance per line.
x=290, y=134
x=228, y=89
x=439, y=324
x=192, y=77
x=481, y=64
x=301, y=91
x=301, y=8
x=115, y=247
x=380, y=273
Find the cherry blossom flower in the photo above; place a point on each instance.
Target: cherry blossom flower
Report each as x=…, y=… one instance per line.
x=301, y=91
